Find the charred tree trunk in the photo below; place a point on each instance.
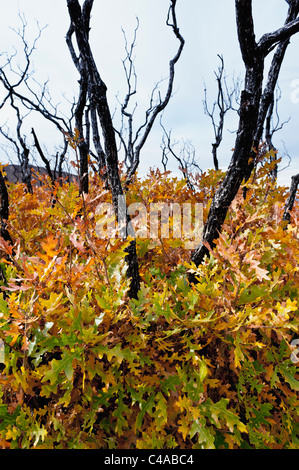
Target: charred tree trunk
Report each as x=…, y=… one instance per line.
x=96, y=88
x=4, y=210
x=4, y=233
x=82, y=68
x=41, y=154
x=248, y=135
x=26, y=170
x=82, y=144
x=291, y=199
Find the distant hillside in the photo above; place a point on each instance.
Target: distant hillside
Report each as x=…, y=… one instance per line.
x=14, y=173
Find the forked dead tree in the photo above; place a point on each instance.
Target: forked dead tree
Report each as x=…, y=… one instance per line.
x=253, y=110
x=93, y=89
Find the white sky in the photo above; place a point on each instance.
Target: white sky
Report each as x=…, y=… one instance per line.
x=208, y=28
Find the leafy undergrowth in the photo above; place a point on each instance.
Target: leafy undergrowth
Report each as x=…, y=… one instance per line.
x=188, y=366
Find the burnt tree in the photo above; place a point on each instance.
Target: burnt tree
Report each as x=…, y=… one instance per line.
x=4, y=209
x=291, y=199
x=94, y=91
x=252, y=113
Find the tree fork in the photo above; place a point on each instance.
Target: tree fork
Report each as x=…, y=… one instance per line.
x=240, y=167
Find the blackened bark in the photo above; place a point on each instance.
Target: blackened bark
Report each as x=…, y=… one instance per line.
x=96, y=90
x=270, y=145
x=61, y=158
x=97, y=141
x=82, y=143
x=26, y=170
x=4, y=213
x=42, y=155
x=4, y=210
x=253, y=55
x=291, y=199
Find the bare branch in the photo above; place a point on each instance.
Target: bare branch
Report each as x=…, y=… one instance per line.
x=28, y=100
x=131, y=76
x=267, y=97
x=224, y=103
x=42, y=155
x=153, y=111
x=269, y=40
x=168, y=147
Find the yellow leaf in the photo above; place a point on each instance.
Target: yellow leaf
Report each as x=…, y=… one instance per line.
x=12, y=433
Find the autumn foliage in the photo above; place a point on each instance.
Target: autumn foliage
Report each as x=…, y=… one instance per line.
x=187, y=366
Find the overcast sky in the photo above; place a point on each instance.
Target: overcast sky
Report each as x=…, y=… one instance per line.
x=208, y=28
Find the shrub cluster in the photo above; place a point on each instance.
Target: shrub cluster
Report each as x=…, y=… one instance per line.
x=205, y=365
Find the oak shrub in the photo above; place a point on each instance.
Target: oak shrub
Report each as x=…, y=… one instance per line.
x=187, y=366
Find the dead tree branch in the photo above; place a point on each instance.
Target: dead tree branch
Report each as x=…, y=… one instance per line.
x=135, y=146
x=186, y=158
x=24, y=98
x=223, y=104
x=291, y=199
x=253, y=54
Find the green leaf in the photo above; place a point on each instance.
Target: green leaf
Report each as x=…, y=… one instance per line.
x=8, y=419
x=239, y=356
x=261, y=415
x=274, y=378
x=4, y=310
x=219, y=410
x=122, y=413
x=146, y=407
x=203, y=371
x=142, y=246
x=65, y=364
x=204, y=434
x=170, y=384
x=289, y=377
x=252, y=293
